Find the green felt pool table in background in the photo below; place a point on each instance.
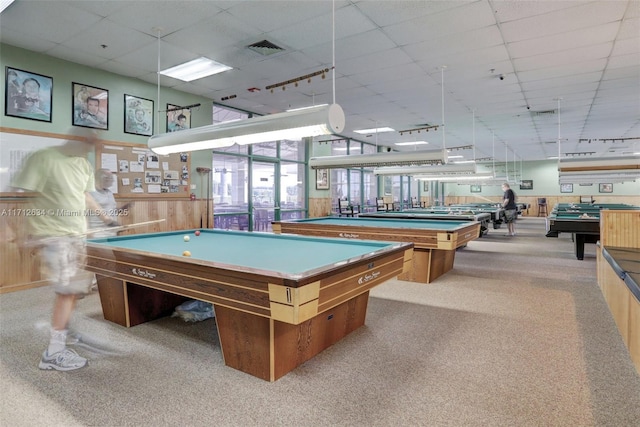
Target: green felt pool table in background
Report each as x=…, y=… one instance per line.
x=435, y=241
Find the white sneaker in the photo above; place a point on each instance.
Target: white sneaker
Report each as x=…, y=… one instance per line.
x=65, y=360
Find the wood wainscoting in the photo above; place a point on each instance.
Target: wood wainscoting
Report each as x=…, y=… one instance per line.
x=20, y=264
x=620, y=229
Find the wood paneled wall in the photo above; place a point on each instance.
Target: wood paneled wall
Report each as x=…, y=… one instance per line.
x=20, y=265
x=620, y=229
x=551, y=201
x=319, y=207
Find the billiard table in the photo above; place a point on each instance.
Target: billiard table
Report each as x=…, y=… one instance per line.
x=584, y=227
x=496, y=212
x=418, y=213
x=435, y=242
x=278, y=299
x=580, y=219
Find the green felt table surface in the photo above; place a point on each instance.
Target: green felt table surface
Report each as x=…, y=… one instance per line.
x=284, y=253
x=451, y=225
x=575, y=215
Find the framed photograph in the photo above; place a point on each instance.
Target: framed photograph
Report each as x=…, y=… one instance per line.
x=566, y=188
x=322, y=179
x=476, y=188
x=178, y=118
x=606, y=188
x=425, y=186
x=27, y=95
x=526, y=184
x=90, y=106
x=138, y=115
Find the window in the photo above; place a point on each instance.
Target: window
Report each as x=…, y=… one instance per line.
x=249, y=180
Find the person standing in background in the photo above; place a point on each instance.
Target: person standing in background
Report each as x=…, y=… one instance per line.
x=510, y=208
x=104, y=197
x=63, y=179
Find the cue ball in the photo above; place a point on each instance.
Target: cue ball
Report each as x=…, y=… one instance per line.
x=197, y=233
x=186, y=238
x=186, y=253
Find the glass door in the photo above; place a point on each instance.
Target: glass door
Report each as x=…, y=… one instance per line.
x=265, y=197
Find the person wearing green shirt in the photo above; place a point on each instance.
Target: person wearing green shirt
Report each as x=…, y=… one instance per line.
x=62, y=178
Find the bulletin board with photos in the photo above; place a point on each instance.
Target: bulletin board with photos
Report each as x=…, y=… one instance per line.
x=142, y=173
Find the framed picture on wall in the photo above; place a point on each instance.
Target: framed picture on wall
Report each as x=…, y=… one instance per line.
x=178, y=118
x=425, y=186
x=322, y=179
x=606, y=188
x=476, y=188
x=90, y=106
x=138, y=115
x=566, y=188
x=526, y=184
x=27, y=95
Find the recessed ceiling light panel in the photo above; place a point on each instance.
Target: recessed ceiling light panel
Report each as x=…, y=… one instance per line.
x=195, y=69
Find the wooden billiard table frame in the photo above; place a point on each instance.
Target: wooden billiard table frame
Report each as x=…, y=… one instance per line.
x=434, y=249
x=268, y=322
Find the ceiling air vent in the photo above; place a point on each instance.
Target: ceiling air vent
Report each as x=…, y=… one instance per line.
x=265, y=47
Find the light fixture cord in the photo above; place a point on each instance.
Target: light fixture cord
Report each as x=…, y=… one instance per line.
x=473, y=139
x=444, y=144
x=493, y=152
x=559, y=136
x=333, y=48
x=158, y=109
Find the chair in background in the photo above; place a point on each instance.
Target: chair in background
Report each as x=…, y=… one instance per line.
x=542, y=206
x=347, y=209
x=381, y=206
x=261, y=219
x=415, y=203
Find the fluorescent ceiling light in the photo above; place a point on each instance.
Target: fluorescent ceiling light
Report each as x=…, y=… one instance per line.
x=599, y=179
x=454, y=178
x=459, y=162
x=602, y=176
x=374, y=130
x=345, y=149
x=412, y=143
x=274, y=127
x=306, y=108
x=5, y=4
x=409, y=158
x=195, y=69
x=456, y=157
x=600, y=164
x=423, y=170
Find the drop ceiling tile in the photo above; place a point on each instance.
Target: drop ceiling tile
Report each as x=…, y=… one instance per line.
x=514, y=10
x=375, y=61
x=313, y=32
x=219, y=31
x=564, y=41
x=69, y=21
x=623, y=61
x=584, y=15
x=458, y=20
x=169, y=16
x=564, y=58
x=385, y=13
x=118, y=40
x=593, y=66
x=280, y=13
x=455, y=44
